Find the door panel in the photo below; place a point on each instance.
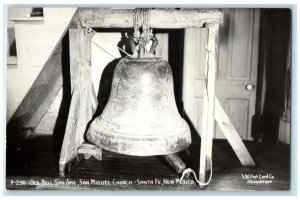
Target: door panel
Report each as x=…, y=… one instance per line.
x=238, y=51
x=233, y=108
x=239, y=46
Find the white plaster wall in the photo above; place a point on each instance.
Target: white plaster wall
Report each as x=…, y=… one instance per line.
x=35, y=42
x=103, y=50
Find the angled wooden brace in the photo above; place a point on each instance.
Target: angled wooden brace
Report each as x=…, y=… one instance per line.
x=232, y=135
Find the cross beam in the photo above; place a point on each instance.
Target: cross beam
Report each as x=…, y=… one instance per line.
x=159, y=18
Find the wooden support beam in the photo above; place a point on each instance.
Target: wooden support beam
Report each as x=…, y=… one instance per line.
x=232, y=135
x=86, y=91
x=159, y=18
x=70, y=145
x=74, y=37
x=212, y=110
x=209, y=100
x=39, y=97
x=81, y=108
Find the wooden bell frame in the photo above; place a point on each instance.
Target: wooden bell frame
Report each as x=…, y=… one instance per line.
x=84, y=102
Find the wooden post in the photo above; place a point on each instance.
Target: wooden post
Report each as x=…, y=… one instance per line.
x=209, y=100
x=69, y=146
x=81, y=104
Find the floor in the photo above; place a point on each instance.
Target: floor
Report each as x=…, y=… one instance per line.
x=34, y=166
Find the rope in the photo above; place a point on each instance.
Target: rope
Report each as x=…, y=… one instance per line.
x=141, y=19
x=103, y=49
x=189, y=170
x=89, y=29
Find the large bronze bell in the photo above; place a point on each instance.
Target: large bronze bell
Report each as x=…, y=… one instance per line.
x=141, y=117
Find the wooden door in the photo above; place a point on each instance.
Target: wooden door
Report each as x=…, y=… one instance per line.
x=237, y=70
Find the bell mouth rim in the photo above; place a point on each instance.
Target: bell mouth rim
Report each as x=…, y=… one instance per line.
x=136, y=146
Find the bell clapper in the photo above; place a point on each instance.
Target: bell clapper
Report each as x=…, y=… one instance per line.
x=176, y=163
